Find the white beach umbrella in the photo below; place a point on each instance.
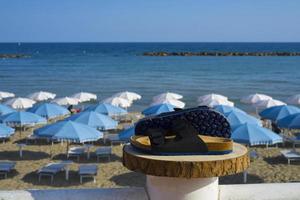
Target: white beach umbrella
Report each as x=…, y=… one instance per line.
x=84, y=96
x=211, y=97
x=216, y=102
x=20, y=103
x=167, y=96
x=294, y=99
x=66, y=101
x=268, y=103
x=4, y=95
x=118, y=101
x=130, y=96
x=176, y=103
x=41, y=96
x=254, y=98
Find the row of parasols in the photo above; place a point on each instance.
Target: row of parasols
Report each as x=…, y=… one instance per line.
x=125, y=99
x=246, y=128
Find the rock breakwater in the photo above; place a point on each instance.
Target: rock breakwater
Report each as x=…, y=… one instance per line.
x=161, y=53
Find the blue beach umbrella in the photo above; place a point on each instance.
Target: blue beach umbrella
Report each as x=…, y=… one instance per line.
x=95, y=120
x=49, y=110
x=276, y=113
x=127, y=133
x=6, y=131
x=291, y=121
x=157, y=109
x=69, y=131
x=253, y=134
x=236, y=118
x=5, y=109
x=21, y=118
x=227, y=109
x=107, y=109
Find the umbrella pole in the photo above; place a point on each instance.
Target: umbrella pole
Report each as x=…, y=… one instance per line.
x=67, y=147
x=20, y=131
x=51, y=149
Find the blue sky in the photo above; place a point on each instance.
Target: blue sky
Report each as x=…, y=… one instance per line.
x=149, y=21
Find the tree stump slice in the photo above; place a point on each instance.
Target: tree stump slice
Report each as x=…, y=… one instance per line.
x=190, y=166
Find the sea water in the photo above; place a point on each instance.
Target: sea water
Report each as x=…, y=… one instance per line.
x=107, y=68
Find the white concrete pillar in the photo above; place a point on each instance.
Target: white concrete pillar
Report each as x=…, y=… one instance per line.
x=162, y=188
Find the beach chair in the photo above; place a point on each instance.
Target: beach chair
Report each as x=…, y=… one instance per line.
x=76, y=152
x=88, y=171
x=4, y=139
x=51, y=169
x=6, y=167
x=289, y=139
x=103, y=152
x=115, y=139
x=290, y=155
x=31, y=138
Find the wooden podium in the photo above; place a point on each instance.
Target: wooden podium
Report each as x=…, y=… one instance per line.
x=185, y=177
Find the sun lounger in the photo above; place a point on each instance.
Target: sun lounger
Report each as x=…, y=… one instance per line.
x=103, y=152
x=6, y=167
x=31, y=137
x=87, y=171
x=76, y=152
x=115, y=139
x=290, y=155
x=51, y=169
x=293, y=140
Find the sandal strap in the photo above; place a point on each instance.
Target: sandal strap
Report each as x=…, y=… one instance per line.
x=156, y=136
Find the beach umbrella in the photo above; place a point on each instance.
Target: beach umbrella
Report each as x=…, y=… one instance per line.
x=291, y=121
x=41, y=96
x=127, y=133
x=252, y=134
x=95, y=120
x=5, y=109
x=211, y=97
x=215, y=102
x=157, y=109
x=84, y=96
x=64, y=101
x=21, y=118
x=254, y=98
x=236, y=118
x=167, y=96
x=174, y=102
x=227, y=109
x=20, y=103
x=117, y=101
x=49, y=110
x=4, y=95
x=130, y=96
x=107, y=109
x=294, y=99
x=276, y=113
x=268, y=103
x=69, y=131
x=6, y=131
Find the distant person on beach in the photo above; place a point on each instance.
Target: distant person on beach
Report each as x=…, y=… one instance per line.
x=71, y=109
x=275, y=128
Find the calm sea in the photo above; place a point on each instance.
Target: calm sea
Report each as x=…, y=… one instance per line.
x=107, y=68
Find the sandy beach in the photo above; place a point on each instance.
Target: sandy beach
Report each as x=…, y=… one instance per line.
x=269, y=167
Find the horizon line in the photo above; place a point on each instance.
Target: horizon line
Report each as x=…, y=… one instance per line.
x=150, y=42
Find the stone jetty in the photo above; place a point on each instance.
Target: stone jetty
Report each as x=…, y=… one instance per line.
x=161, y=53
x=14, y=56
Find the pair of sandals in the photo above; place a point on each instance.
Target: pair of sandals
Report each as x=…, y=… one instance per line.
x=194, y=131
